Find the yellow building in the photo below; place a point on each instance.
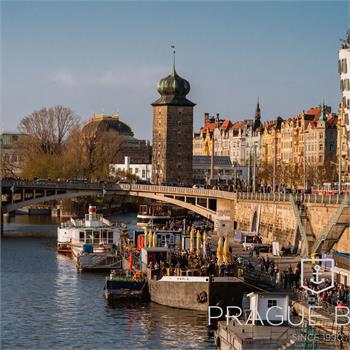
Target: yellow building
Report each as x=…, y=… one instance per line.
x=271, y=142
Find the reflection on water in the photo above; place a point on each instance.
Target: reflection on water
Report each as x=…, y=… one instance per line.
x=46, y=304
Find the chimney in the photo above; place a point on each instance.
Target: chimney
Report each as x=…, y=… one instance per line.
x=217, y=120
x=206, y=118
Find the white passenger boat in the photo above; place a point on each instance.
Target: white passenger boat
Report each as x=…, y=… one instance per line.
x=92, y=241
x=158, y=214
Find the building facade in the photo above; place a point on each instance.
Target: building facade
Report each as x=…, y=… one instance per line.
x=142, y=171
x=172, y=148
x=342, y=149
x=10, y=154
x=344, y=72
x=139, y=151
x=223, y=170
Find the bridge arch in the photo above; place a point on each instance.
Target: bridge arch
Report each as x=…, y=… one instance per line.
x=38, y=200
x=209, y=214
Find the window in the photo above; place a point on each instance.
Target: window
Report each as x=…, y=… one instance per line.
x=96, y=237
x=88, y=237
x=110, y=236
x=143, y=173
x=81, y=236
x=136, y=170
x=271, y=303
x=104, y=236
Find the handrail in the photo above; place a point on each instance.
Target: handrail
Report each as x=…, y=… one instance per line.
x=172, y=190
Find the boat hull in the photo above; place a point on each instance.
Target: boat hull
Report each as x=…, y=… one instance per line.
x=125, y=290
x=64, y=248
x=196, y=293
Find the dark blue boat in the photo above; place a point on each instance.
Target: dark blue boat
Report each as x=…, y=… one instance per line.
x=122, y=288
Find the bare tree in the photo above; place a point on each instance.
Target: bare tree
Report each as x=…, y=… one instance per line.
x=90, y=152
x=47, y=128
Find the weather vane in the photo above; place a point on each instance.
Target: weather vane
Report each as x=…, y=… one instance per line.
x=173, y=47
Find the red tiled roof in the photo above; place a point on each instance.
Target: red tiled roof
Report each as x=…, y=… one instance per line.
x=226, y=124
x=238, y=125
x=332, y=119
x=209, y=127
x=315, y=111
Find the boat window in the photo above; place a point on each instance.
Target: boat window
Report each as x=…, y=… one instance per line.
x=110, y=237
x=88, y=237
x=81, y=236
x=96, y=237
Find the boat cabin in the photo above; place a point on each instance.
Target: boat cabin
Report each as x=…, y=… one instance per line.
x=153, y=255
x=268, y=306
x=165, y=238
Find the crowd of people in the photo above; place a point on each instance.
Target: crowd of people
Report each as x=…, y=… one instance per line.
x=337, y=296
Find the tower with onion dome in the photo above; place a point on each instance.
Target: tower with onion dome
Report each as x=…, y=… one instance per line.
x=172, y=131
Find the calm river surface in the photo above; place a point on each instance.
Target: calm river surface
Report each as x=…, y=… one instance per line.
x=46, y=304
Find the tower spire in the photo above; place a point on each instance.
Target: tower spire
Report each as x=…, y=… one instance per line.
x=257, y=121
x=174, y=53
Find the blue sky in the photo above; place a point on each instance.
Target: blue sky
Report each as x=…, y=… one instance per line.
x=108, y=56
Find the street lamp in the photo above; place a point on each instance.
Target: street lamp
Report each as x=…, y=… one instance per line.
x=339, y=172
x=305, y=179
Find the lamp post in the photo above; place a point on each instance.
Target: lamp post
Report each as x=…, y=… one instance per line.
x=339, y=160
x=305, y=178
x=254, y=168
x=339, y=174
x=274, y=163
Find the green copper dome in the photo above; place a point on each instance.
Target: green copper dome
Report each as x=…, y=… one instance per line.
x=173, y=90
x=173, y=84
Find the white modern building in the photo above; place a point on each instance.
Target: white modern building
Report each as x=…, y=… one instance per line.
x=344, y=71
x=142, y=171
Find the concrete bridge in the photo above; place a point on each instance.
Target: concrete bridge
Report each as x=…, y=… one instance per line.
x=275, y=215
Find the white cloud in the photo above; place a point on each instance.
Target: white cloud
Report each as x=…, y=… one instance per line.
x=64, y=78
x=135, y=77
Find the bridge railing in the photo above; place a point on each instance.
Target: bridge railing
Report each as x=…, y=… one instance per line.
x=50, y=185
x=284, y=197
x=180, y=191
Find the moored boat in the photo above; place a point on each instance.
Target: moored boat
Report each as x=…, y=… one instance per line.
x=119, y=287
x=92, y=241
x=158, y=214
x=196, y=292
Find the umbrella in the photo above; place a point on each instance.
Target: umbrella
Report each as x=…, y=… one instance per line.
x=145, y=235
x=198, y=247
x=227, y=257
x=219, y=252
x=150, y=239
x=191, y=239
x=204, y=244
x=154, y=239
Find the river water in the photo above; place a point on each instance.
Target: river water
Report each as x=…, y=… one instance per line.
x=47, y=304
